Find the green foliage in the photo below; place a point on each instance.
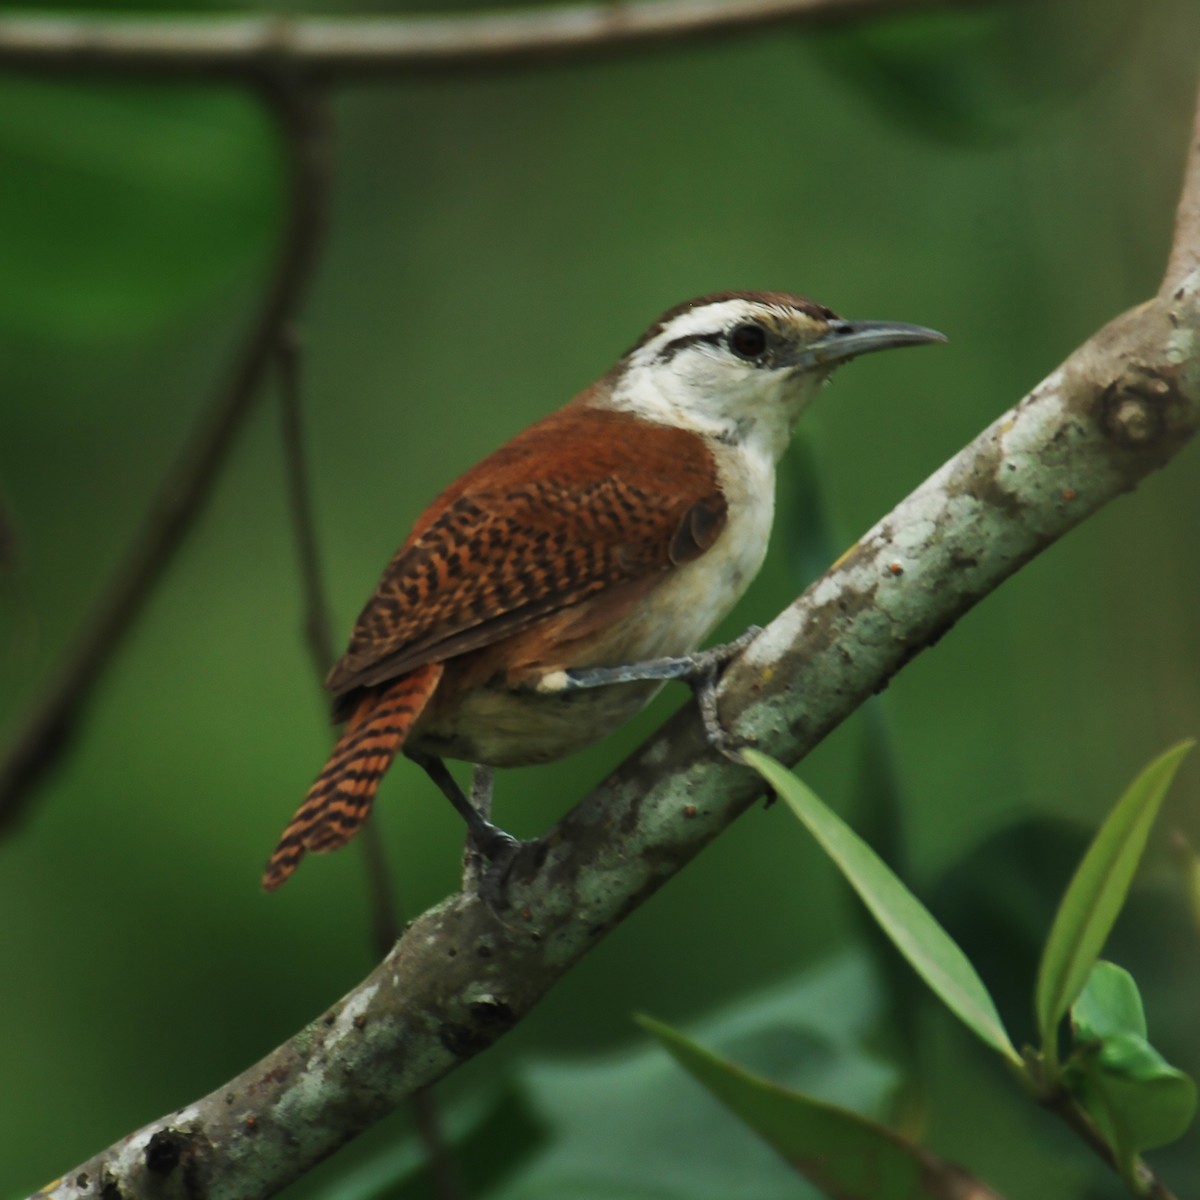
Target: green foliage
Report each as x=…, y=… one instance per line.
x=844, y=1154
x=1108, y=1006
x=1136, y=1098
x=627, y=1123
x=935, y=957
x=1096, y=893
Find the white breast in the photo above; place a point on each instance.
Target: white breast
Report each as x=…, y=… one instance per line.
x=684, y=610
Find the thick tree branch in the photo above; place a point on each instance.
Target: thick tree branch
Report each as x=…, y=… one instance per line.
x=1120, y=407
x=344, y=48
x=51, y=722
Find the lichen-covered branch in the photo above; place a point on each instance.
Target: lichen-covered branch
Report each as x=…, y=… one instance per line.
x=341, y=48
x=1119, y=408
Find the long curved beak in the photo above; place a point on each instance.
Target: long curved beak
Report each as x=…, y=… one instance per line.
x=844, y=340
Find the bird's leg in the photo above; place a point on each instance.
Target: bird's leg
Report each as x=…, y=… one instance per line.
x=482, y=873
x=483, y=783
x=490, y=840
x=701, y=671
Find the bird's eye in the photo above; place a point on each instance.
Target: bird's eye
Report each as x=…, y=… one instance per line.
x=748, y=341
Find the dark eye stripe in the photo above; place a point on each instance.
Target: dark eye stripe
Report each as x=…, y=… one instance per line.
x=674, y=346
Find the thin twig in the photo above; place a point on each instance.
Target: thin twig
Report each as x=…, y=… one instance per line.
x=49, y=726
x=386, y=922
x=386, y=919
x=338, y=49
x=1185, y=246
x=318, y=631
x=1061, y=1104
x=427, y=1111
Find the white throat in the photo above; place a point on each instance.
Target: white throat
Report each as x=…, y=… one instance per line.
x=683, y=377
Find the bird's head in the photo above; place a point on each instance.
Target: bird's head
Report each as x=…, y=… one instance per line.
x=743, y=366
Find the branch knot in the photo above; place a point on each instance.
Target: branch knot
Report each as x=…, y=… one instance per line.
x=1135, y=410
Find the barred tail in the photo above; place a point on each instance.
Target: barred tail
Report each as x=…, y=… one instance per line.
x=340, y=800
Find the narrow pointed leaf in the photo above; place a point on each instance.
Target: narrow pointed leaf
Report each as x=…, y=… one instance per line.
x=844, y=1154
x=928, y=947
x=1096, y=893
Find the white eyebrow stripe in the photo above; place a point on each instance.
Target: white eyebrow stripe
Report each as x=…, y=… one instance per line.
x=704, y=323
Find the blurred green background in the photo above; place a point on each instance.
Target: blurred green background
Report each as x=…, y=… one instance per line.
x=1007, y=175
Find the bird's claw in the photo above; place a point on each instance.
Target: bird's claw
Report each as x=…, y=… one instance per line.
x=490, y=854
x=705, y=684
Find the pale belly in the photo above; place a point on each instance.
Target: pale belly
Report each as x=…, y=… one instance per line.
x=501, y=727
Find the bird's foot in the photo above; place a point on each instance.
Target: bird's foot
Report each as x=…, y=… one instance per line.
x=491, y=843
x=486, y=868
x=710, y=666
x=490, y=851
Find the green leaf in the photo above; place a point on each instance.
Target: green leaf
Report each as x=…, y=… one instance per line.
x=844, y=1154
x=627, y=1124
x=1096, y=893
x=1135, y=1096
x=1137, y=1099
x=931, y=951
x=1108, y=1005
